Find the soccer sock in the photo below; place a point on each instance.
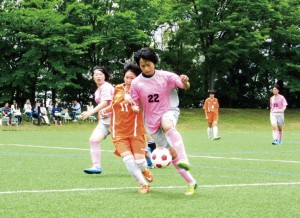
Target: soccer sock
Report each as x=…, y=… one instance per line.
x=175, y=140
x=141, y=164
x=280, y=133
x=133, y=169
x=151, y=145
x=215, y=130
x=209, y=132
x=275, y=134
x=185, y=174
x=148, y=157
x=95, y=152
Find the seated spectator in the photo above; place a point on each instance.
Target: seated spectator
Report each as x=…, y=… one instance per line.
x=37, y=112
x=64, y=106
x=6, y=112
x=90, y=106
x=16, y=111
x=28, y=110
x=44, y=114
x=50, y=107
x=76, y=110
x=56, y=113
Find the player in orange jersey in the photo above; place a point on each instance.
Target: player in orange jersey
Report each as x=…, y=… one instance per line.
x=128, y=132
x=211, y=108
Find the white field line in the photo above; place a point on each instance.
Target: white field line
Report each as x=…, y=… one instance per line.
x=245, y=159
x=159, y=187
x=192, y=156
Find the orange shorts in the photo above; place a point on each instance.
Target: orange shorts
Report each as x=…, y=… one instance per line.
x=212, y=116
x=136, y=145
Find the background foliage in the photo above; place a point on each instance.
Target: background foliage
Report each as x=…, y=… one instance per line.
x=239, y=47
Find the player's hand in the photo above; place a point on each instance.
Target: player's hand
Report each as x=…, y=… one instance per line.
x=128, y=99
x=135, y=109
x=184, y=78
x=103, y=114
x=85, y=114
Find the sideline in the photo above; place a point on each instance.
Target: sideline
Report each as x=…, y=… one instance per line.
x=159, y=187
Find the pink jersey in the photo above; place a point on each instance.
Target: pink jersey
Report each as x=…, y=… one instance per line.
x=157, y=95
x=277, y=104
x=104, y=93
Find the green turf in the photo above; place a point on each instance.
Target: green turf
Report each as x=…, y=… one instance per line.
x=241, y=175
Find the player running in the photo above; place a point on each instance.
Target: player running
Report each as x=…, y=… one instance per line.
x=277, y=105
x=128, y=132
x=211, y=108
x=156, y=91
x=103, y=97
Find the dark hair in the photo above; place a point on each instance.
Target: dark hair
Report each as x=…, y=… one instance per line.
x=133, y=68
x=276, y=86
x=147, y=54
x=103, y=70
x=212, y=91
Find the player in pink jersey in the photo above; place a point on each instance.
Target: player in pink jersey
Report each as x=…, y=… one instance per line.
x=277, y=107
x=156, y=91
x=103, y=97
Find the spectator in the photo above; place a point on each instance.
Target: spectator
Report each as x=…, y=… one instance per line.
x=64, y=106
x=44, y=114
x=76, y=110
x=56, y=113
x=16, y=111
x=6, y=112
x=28, y=110
x=37, y=112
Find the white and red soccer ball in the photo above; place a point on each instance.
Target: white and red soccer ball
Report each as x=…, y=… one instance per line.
x=161, y=157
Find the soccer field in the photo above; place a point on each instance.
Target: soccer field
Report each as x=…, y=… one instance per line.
x=241, y=175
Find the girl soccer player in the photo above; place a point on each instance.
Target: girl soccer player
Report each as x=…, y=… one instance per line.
x=103, y=97
x=277, y=105
x=128, y=132
x=156, y=91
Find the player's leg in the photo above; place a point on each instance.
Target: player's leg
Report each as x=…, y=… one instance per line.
x=99, y=133
x=150, y=148
x=273, y=120
x=139, y=150
x=280, y=123
x=209, y=130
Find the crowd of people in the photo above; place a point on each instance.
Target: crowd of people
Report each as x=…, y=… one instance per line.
x=42, y=113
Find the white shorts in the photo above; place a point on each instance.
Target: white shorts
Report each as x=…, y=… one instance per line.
x=102, y=129
x=160, y=136
x=277, y=119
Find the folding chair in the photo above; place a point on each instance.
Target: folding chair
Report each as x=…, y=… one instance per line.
x=15, y=122
x=5, y=121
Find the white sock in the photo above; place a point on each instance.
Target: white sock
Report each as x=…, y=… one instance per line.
x=209, y=132
x=134, y=170
x=141, y=164
x=215, y=131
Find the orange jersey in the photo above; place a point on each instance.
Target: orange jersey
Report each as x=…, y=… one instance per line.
x=124, y=123
x=211, y=105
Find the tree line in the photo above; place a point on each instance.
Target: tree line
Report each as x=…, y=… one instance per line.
x=240, y=48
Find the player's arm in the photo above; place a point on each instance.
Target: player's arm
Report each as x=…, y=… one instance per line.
x=100, y=106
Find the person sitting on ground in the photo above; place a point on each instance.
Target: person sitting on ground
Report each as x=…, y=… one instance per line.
x=28, y=109
x=76, y=110
x=37, y=112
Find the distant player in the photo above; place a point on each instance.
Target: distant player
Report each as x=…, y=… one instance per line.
x=156, y=91
x=128, y=132
x=277, y=107
x=103, y=97
x=211, y=108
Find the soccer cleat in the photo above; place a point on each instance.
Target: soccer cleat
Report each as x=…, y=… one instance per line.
x=217, y=138
x=144, y=189
x=93, y=170
x=148, y=175
x=275, y=142
x=183, y=165
x=191, y=189
x=279, y=142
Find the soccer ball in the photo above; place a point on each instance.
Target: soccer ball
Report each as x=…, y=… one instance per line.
x=161, y=157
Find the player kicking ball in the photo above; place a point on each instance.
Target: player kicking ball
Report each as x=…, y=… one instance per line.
x=156, y=91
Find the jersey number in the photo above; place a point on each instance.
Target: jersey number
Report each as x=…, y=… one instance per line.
x=153, y=98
